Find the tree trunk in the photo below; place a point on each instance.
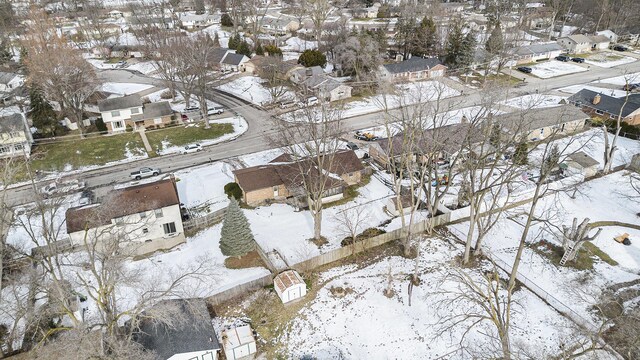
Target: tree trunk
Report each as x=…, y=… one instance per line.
x=472, y=223
x=317, y=220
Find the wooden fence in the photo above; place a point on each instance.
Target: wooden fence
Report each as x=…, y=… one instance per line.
x=240, y=289
x=196, y=223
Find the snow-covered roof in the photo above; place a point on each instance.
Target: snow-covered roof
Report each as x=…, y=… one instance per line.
x=287, y=279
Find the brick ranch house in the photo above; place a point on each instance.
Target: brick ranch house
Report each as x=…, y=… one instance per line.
x=281, y=179
x=415, y=68
x=599, y=104
x=118, y=113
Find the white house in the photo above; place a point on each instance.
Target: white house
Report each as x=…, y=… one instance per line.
x=10, y=81
x=289, y=286
x=279, y=25
x=145, y=218
x=599, y=42
x=117, y=111
x=536, y=52
x=238, y=342
x=234, y=62
x=191, y=22
x=190, y=335
x=613, y=37
x=15, y=136
x=576, y=43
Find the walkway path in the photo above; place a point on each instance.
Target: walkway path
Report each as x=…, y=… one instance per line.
x=145, y=141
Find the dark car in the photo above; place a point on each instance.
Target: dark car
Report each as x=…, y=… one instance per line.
x=563, y=58
x=352, y=146
x=578, y=60
x=620, y=48
x=525, y=69
x=631, y=87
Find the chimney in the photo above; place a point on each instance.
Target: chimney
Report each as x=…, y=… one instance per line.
x=596, y=99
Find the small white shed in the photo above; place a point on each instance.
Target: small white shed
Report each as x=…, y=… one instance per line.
x=238, y=342
x=405, y=201
x=289, y=286
x=583, y=164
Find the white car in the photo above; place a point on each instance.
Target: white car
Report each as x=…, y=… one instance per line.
x=191, y=149
x=62, y=188
x=216, y=110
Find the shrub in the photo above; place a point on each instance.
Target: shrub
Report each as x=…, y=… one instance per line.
x=167, y=94
x=273, y=50
x=367, y=233
x=100, y=125
x=145, y=100
x=312, y=58
x=233, y=190
x=225, y=20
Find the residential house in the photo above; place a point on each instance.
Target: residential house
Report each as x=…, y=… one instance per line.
x=581, y=163
x=536, y=52
x=234, y=62
x=366, y=12
x=279, y=25
x=10, y=82
x=435, y=143
x=189, y=335
x=144, y=218
x=286, y=68
x=538, y=18
x=154, y=115
x=325, y=87
x=125, y=51
x=415, y=68
x=452, y=7
x=238, y=343
x=599, y=42
x=191, y=22
x=613, y=37
x=116, y=112
x=301, y=74
x=281, y=179
x=15, y=136
x=388, y=25
x=576, y=44
x=538, y=124
x=606, y=106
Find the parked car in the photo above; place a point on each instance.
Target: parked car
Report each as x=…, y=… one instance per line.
x=352, y=146
x=86, y=198
x=563, y=58
x=525, y=69
x=310, y=101
x=191, y=109
x=191, y=149
x=286, y=104
x=578, y=60
x=121, y=64
x=216, y=110
x=365, y=136
x=631, y=87
x=620, y=48
x=62, y=187
x=145, y=172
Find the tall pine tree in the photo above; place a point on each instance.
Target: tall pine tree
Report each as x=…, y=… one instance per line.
x=495, y=43
x=468, y=50
x=42, y=114
x=427, y=34
x=236, y=238
x=454, y=46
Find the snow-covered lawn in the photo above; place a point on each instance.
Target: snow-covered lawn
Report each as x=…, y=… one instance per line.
x=555, y=68
x=124, y=88
x=178, y=104
x=533, y=101
x=251, y=88
x=295, y=44
x=365, y=324
x=203, y=187
x=608, y=60
x=223, y=36
x=611, y=92
x=621, y=80
x=145, y=67
x=240, y=126
x=602, y=199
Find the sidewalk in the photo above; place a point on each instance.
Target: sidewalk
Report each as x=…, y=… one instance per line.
x=145, y=141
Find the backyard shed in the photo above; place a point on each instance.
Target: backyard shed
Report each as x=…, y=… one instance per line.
x=238, y=342
x=289, y=286
x=583, y=164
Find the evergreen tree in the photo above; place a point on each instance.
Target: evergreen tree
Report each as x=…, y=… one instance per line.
x=225, y=20
x=216, y=40
x=494, y=136
x=406, y=38
x=520, y=157
x=468, y=49
x=236, y=238
x=551, y=161
x=23, y=55
x=310, y=58
x=454, y=46
x=235, y=41
x=244, y=48
x=5, y=54
x=42, y=114
x=427, y=38
x=495, y=43
x=273, y=50
x=259, y=50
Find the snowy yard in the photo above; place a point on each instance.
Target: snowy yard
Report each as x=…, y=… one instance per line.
x=608, y=60
x=124, y=88
x=533, y=101
x=621, y=80
x=555, y=68
x=251, y=88
x=365, y=324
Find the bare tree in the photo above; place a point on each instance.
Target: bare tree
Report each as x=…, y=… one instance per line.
x=199, y=53
x=574, y=237
x=350, y=223
x=318, y=11
x=272, y=69
x=610, y=145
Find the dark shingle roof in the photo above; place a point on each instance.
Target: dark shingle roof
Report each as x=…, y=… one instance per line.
x=190, y=329
x=6, y=77
x=131, y=200
x=583, y=159
x=153, y=110
x=608, y=104
x=448, y=139
x=233, y=59
x=412, y=65
x=13, y=122
x=124, y=102
x=218, y=54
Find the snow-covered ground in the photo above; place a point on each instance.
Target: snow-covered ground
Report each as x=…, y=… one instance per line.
x=555, y=68
x=602, y=199
x=178, y=104
x=124, y=88
x=203, y=187
x=223, y=36
x=611, y=92
x=533, y=101
x=295, y=44
x=621, y=80
x=605, y=60
x=145, y=67
x=240, y=126
x=365, y=324
x=251, y=88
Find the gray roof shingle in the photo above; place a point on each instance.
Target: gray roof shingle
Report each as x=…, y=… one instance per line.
x=608, y=104
x=6, y=77
x=153, y=110
x=233, y=59
x=124, y=102
x=533, y=119
x=10, y=123
x=412, y=65
x=190, y=329
x=537, y=49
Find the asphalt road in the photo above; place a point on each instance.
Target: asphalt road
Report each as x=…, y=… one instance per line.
x=261, y=125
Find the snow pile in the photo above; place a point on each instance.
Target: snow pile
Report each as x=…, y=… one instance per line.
x=554, y=68
x=295, y=44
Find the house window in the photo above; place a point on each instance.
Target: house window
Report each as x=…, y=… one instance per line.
x=135, y=110
x=115, y=113
x=159, y=213
x=157, y=121
x=4, y=149
x=169, y=228
x=143, y=215
x=118, y=125
x=145, y=231
x=18, y=146
x=276, y=192
x=599, y=112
